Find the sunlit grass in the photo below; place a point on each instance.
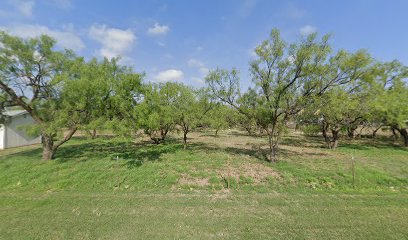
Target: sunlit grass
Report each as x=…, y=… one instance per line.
x=220, y=187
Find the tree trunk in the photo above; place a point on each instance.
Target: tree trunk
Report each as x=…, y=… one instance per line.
x=93, y=134
x=360, y=133
x=404, y=134
x=185, y=131
x=394, y=133
x=249, y=130
x=163, y=133
x=48, y=147
x=376, y=130
x=271, y=153
x=351, y=132
x=335, y=140
x=326, y=136
x=273, y=146
x=216, y=132
x=185, y=139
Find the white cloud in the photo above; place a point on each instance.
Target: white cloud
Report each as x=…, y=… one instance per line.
x=306, y=30
x=169, y=75
x=197, y=80
x=115, y=42
x=204, y=70
x=194, y=63
x=158, y=29
x=198, y=64
x=25, y=7
x=65, y=38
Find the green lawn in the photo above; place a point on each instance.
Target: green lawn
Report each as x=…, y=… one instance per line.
x=220, y=187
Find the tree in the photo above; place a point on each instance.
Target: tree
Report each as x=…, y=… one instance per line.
x=4, y=102
x=158, y=113
x=287, y=78
x=191, y=106
x=61, y=92
x=28, y=72
x=344, y=107
x=338, y=110
x=220, y=117
x=390, y=102
x=121, y=93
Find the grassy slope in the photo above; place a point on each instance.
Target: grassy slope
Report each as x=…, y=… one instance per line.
x=218, y=188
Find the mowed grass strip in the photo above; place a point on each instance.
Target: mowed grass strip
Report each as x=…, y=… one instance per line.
x=219, y=188
x=74, y=215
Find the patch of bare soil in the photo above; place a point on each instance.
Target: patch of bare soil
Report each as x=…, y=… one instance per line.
x=188, y=180
x=257, y=172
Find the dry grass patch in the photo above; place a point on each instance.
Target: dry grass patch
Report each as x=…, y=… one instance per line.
x=188, y=180
x=257, y=172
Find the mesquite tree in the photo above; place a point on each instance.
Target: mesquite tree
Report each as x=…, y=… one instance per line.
x=220, y=117
x=338, y=111
x=345, y=106
x=122, y=94
x=191, y=106
x=390, y=97
x=28, y=72
x=157, y=112
x=61, y=92
x=287, y=78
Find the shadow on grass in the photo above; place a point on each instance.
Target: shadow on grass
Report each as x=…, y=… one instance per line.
x=256, y=150
x=359, y=146
x=370, y=143
x=365, y=143
x=302, y=141
x=136, y=154
x=130, y=153
x=24, y=154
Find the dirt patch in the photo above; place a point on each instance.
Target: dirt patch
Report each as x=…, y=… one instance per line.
x=186, y=179
x=257, y=172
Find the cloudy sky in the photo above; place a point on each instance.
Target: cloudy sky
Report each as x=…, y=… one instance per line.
x=181, y=40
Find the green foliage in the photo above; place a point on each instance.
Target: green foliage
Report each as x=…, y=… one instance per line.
x=311, y=129
x=158, y=110
x=60, y=90
x=220, y=117
x=390, y=91
x=287, y=78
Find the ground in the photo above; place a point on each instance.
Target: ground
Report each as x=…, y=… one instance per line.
x=219, y=188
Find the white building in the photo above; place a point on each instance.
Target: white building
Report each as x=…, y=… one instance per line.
x=11, y=134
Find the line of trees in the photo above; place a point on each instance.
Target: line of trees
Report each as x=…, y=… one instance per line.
x=303, y=82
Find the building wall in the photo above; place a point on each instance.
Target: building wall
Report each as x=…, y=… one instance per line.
x=14, y=136
x=2, y=136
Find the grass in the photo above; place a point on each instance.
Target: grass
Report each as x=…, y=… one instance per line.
x=220, y=187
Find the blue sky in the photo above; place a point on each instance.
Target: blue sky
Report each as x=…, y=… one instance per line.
x=181, y=40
